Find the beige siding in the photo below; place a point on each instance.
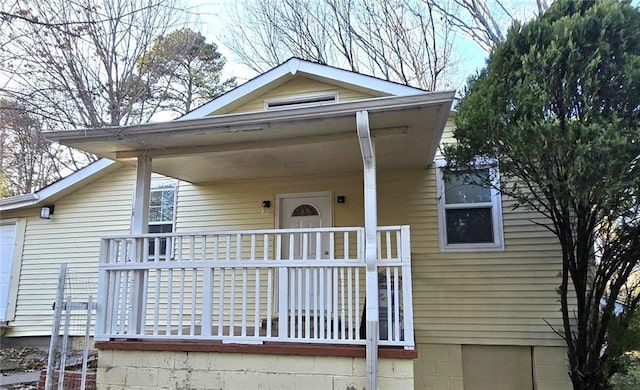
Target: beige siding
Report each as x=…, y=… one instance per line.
x=447, y=136
x=474, y=297
x=480, y=297
x=459, y=298
x=301, y=85
x=486, y=297
x=72, y=235
x=238, y=205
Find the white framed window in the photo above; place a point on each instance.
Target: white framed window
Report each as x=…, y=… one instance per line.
x=162, y=215
x=469, y=209
x=301, y=100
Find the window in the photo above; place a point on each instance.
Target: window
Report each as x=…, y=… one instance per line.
x=305, y=210
x=162, y=206
x=469, y=209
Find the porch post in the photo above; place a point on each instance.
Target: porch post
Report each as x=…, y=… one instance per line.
x=371, y=249
x=140, y=225
x=141, y=195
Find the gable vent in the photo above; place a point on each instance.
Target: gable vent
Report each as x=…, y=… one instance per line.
x=306, y=100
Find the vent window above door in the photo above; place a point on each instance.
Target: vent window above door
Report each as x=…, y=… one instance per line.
x=303, y=100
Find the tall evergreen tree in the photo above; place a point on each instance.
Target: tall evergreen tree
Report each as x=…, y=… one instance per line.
x=185, y=70
x=558, y=106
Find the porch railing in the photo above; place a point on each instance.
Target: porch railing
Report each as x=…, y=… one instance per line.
x=286, y=285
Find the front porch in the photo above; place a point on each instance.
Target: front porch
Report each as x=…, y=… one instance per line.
x=294, y=286
x=255, y=286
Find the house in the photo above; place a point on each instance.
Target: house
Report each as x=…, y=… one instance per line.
x=308, y=240
x=34, y=246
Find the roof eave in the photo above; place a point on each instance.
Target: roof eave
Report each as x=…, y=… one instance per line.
x=51, y=192
x=18, y=201
x=248, y=121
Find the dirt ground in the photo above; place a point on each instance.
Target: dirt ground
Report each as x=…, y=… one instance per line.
x=15, y=360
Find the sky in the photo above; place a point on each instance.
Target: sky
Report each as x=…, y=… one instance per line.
x=209, y=15
x=209, y=20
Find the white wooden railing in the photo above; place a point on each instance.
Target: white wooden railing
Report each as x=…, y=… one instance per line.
x=286, y=285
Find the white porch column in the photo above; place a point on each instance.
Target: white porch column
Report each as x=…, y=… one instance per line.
x=141, y=196
x=140, y=225
x=371, y=249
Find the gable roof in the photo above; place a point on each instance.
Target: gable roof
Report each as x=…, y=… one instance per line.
x=61, y=187
x=211, y=143
x=296, y=66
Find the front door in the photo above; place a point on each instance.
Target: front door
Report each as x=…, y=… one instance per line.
x=303, y=211
x=307, y=210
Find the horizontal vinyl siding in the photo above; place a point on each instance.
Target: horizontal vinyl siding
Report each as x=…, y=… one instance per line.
x=297, y=86
x=235, y=206
x=72, y=236
x=505, y=297
x=459, y=298
x=447, y=136
x=474, y=297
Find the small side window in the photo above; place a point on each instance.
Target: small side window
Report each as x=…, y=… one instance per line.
x=469, y=209
x=162, y=216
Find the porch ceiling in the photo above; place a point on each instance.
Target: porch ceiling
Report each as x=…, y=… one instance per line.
x=292, y=142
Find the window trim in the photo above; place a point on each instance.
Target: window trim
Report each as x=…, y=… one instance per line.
x=496, y=213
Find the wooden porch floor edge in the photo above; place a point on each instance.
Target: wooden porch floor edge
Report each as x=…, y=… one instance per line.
x=268, y=348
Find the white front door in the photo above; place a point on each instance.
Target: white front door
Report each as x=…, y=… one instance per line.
x=307, y=210
x=303, y=211
x=7, y=243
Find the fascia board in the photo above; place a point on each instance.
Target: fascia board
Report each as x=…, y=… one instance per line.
x=296, y=65
x=237, y=93
x=18, y=201
x=443, y=117
x=74, y=178
x=45, y=194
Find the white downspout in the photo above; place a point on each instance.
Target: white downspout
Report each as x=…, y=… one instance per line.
x=140, y=225
x=371, y=249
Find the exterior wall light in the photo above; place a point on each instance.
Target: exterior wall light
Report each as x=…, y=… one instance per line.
x=46, y=211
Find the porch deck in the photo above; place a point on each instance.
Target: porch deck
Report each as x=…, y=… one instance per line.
x=238, y=286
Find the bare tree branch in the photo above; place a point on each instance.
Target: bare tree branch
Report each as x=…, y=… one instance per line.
x=478, y=21
x=73, y=64
x=399, y=40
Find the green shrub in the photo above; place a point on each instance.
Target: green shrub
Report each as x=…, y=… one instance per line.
x=629, y=377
